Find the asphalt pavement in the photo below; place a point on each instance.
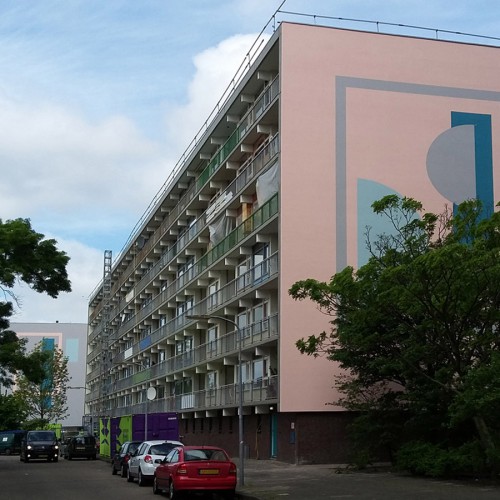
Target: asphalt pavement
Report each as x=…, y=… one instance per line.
x=273, y=480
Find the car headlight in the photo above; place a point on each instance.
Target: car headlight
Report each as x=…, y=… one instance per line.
x=29, y=447
x=56, y=447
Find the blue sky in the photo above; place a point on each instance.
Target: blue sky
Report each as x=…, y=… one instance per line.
x=98, y=100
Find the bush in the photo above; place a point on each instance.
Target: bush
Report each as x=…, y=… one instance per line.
x=432, y=460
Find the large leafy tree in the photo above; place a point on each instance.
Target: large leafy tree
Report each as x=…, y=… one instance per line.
x=45, y=402
x=416, y=329
x=26, y=256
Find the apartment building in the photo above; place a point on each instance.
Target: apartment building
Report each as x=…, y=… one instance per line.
x=193, y=318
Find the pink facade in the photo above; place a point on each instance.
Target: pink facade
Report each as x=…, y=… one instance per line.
x=363, y=115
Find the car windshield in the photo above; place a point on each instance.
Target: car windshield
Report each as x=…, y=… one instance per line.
x=42, y=436
x=205, y=454
x=161, y=449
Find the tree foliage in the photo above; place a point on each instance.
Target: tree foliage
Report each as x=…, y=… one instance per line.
x=46, y=401
x=25, y=256
x=416, y=329
x=12, y=413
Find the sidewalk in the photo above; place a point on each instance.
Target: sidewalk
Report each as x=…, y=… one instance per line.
x=272, y=480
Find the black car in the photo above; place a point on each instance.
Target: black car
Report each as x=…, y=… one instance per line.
x=119, y=462
x=80, y=447
x=39, y=444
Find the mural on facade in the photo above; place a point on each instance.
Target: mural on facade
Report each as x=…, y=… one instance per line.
x=440, y=166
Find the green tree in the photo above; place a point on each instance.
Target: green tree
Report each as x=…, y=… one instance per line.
x=25, y=256
x=46, y=402
x=416, y=329
x=12, y=413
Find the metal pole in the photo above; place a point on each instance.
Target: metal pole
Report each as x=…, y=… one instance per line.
x=240, y=410
x=146, y=419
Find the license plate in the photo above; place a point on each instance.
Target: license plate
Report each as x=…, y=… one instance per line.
x=209, y=472
x=80, y=447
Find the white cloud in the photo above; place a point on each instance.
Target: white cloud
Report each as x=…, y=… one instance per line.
x=85, y=269
x=215, y=69
x=76, y=169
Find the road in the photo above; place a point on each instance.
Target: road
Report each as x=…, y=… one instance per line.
x=65, y=480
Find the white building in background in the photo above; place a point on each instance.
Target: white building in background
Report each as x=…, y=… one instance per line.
x=72, y=339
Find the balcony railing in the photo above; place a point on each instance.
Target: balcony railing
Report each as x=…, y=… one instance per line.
x=255, y=334
x=261, y=104
x=252, y=223
x=261, y=391
x=247, y=172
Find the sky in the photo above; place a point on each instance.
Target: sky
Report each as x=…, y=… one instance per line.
x=99, y=100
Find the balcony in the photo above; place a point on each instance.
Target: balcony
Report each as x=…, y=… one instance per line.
x=256, y=392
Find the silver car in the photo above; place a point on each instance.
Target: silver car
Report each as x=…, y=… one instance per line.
x=143, y=462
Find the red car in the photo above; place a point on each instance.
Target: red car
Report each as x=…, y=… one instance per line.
x=195, y=468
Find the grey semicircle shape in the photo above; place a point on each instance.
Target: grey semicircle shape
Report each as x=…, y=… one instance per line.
x=451, y=163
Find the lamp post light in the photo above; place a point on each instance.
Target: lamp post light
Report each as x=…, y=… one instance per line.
x=240, y=388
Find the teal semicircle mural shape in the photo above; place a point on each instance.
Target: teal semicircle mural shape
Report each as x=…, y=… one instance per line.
x=368, y=192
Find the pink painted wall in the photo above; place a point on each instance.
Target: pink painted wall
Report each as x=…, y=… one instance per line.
x=388, y=135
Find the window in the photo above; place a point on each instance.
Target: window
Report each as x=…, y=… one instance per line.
x=212, y=334
x=243, y=275
x=258, y=369
x=184, y=386
x=212, y=380
x=260, y=255
x=213, y=296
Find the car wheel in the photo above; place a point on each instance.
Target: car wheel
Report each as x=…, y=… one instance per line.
x=140, y=478
x=70, y=457
x=123, y=471
x=113, y=470
x=230, y=495
x=7, y=451
x=26, y=460
x=129, y=477
x=172, y=492
x=156, y=490
x=56, y=459
x=94, y=457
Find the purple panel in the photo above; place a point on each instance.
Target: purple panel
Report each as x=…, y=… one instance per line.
x=138, y=427
x=160, y=426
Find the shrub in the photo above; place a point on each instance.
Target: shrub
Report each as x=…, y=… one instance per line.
x=432, y=460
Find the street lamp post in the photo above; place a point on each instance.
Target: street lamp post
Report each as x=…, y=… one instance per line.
x=240, y=388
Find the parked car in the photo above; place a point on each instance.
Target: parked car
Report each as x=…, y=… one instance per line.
x=119, y=462
x=146, y=458
x=10, y=441
x=83, y=446
x=39, y=444
x=206, y=469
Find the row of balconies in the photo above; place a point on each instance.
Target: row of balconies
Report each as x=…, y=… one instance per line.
x=256, y=276
x=255, y=221
x=226, y=398
x=260, y=105
x=225, y=346
x=267, y=153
